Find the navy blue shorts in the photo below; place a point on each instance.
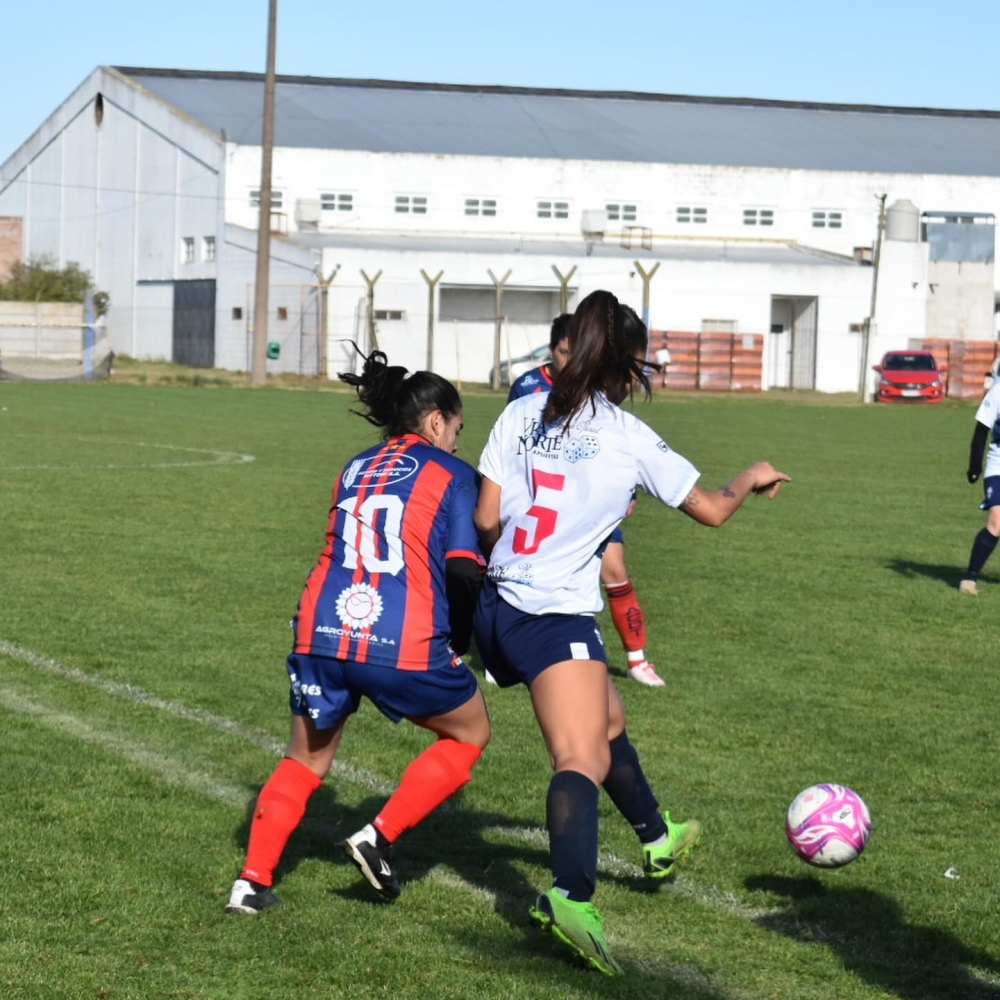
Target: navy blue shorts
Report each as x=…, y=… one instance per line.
x=516, y=647
x=328, y=690
x=616, y=536
x=991, y=492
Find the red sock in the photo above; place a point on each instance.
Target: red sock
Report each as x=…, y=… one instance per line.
x=627, y=615
x=279, y=810
x=440, y=771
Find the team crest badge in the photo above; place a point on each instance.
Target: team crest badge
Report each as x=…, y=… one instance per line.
x=359, y=606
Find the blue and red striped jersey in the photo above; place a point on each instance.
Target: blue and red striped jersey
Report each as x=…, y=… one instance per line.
x=377, y=593
x=537, y=380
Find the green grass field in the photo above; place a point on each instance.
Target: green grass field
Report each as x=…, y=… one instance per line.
x=153, y=541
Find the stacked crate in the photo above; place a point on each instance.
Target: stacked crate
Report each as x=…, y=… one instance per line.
x=712, y=362
x=966, y=363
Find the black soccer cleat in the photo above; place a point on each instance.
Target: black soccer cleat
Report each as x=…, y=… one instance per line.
x=374, y=862
x=250, y=897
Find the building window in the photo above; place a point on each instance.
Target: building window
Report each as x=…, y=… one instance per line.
x=480, y=206
x=686, y=214
x=333, y=202
x=758, y=217
x=208, y=248
x=618, y=212
x=276, y=198
x=282, y=312
x=237, y=312
x=411, y=203
x=187, y=250
x=827, y=220
x=383, y=314
x=553, y=210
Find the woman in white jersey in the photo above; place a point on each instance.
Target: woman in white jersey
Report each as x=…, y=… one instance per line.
x=558, y=472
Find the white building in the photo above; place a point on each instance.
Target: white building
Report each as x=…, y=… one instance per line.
x=419, y=199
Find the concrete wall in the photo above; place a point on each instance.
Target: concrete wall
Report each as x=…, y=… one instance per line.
x=41, y=329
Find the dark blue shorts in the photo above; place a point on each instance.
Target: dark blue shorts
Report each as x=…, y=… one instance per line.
x=991, y=492
x=516, y=647
x=616, y=536
x=327, y=690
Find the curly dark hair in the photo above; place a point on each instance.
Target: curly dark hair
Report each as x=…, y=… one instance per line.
x=398, y=400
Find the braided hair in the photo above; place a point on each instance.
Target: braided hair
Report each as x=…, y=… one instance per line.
x=398, y=400
x=605, y=338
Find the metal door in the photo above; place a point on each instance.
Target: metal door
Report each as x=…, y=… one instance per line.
x=194, y=323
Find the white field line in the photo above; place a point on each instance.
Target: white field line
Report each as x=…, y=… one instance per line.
x=215, y=457
x=706, y=895
x=174, y=773
x=258, y=738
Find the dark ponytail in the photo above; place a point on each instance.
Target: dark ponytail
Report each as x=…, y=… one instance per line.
x=604, y=339
x=397, y=400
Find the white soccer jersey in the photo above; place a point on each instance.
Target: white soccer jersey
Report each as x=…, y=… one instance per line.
x=562, y=495
x=989, y=414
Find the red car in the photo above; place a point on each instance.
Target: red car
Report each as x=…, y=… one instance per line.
x=904, y=375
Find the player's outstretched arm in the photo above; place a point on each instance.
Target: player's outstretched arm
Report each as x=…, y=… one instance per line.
x=715, y=507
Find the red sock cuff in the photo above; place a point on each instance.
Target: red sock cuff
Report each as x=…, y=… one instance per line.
x=617, y=591
x=440, y=771
x=292, y=773
x=627, y=615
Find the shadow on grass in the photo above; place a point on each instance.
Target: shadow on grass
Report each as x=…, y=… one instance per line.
x=486, y=851
x=950, y=575
x=868, y=932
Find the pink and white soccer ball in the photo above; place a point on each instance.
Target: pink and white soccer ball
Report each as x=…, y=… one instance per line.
x=828, y=825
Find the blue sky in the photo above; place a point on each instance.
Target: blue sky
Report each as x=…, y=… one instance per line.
x=916, y=53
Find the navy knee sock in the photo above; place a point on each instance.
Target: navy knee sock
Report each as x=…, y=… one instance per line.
x=982, y=549
x=628, y=788
x=571, y=818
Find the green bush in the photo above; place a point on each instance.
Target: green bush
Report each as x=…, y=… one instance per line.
x=40, y=280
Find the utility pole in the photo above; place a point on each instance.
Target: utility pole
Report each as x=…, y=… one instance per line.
x=864, y=395
x=647, y=277
x=258, y=369
x=431, y=286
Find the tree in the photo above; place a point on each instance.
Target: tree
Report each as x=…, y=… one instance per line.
x=40, y=280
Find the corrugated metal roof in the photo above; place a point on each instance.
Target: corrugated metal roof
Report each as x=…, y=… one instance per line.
x=388, y=117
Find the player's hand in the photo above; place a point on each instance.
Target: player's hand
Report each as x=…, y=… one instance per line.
x=972, y=476
x=767, y=479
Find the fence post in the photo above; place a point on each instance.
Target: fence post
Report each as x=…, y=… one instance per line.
x=498, y=323
x=431, y=286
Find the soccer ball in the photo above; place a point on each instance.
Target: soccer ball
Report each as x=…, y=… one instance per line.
x=828, y=825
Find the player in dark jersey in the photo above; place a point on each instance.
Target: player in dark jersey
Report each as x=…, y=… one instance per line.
x=623, y=602
x=384, y=614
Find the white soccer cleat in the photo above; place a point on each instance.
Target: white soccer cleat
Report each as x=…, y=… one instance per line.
x=645, y=673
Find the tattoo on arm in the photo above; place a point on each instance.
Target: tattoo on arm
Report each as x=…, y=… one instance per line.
x=691, y=500
x=727, y=492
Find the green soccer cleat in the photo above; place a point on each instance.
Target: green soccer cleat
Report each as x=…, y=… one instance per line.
x=658, y=860
x=578, y=926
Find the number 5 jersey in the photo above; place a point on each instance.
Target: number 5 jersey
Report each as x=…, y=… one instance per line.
x=563, y=494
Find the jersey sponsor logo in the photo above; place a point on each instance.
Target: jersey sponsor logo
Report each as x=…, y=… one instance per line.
x=521, y=573
x=359, y=605
x=529, y=380
x=379, y=469
x=582, y=447
x=663, y=446
x=348, y=633
x=536, y=440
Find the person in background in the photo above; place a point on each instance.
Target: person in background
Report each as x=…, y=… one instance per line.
x=558, y=476
x=623, y=602
x=987, y=430
x=384, y=615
